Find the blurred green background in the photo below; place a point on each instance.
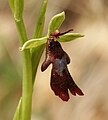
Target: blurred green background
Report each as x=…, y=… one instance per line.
x=89, y=61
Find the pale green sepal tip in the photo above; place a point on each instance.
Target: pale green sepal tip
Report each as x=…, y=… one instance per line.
x=69, y=37
x=56, y=22
x=33, y=43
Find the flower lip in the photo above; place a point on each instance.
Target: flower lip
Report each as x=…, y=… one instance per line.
x=61, y=84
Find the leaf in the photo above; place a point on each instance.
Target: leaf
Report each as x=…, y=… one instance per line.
x=40, y=21
x=69, y=37
x=33, y=43
x=37, y=51
x=17, y=115
x=11, y=3
x=56, y=22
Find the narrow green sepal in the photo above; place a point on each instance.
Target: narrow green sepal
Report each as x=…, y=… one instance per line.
x=56, y=22
x=33, y=43
x=69, y=37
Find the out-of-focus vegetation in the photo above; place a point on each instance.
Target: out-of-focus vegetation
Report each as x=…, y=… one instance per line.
x=89, y=61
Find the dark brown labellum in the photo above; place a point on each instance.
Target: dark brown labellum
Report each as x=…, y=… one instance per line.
x=61, y=80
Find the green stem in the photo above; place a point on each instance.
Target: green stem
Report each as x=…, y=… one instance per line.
x=27, y=66
x=23, y=111
x=27, y=74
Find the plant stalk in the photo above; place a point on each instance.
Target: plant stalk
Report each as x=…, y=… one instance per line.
x=27, y=74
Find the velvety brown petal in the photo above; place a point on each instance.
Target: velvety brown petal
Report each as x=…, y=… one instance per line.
x=76, y=90
x=61, y=83
x=59, y=86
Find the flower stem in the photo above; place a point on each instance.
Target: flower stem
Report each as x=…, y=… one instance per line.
x=26, y=102
x=27, y=74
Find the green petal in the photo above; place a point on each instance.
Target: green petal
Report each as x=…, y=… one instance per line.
x=69, y=37
x=55, y=22
x=33, y=43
